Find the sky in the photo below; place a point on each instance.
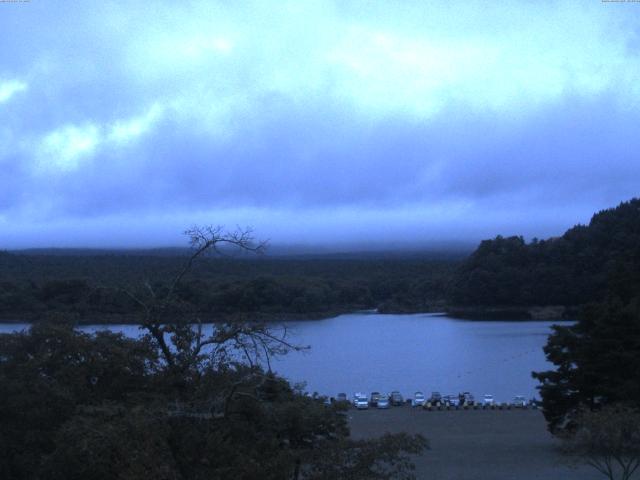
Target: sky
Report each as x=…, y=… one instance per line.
x=360, y=123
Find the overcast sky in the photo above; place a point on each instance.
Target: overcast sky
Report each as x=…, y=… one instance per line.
x=123, y=123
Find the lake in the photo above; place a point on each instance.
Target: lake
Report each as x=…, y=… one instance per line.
x=428, y=352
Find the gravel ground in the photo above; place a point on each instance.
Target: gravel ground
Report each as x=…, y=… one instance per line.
x=475, y=444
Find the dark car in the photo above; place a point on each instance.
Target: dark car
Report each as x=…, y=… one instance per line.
x=435, y=398
x=373, y=401
x=451, y=400
x=396, y=399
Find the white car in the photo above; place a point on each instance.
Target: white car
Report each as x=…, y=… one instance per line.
x=418, y=399
x=360, y=401
x=487, y=400
x=519, y=402
x=383, y=401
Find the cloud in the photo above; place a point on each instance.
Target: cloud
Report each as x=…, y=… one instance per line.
x=286, y=111
x=64, y=149
x=123, y=131
x=9, y=88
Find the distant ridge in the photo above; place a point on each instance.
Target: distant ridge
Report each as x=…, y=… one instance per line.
x=88, y=252
x=453, y=251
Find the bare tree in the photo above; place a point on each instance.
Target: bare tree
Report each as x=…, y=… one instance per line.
x=608, y=440
x=180, y=337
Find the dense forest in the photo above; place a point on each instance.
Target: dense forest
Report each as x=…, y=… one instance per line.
x=579, y=267
x=91, y=287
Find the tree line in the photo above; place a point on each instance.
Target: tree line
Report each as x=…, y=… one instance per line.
x=577, y=268
x=88, y=288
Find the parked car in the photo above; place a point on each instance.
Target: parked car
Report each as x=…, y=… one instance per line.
x=383, y=401
x=360, y=401
x=418, y=399
x=396, y=398
x=487, y=400
x=373, y=401
x=468, y=398
x=519, y=402
x=435, y=398
x=451, y=400
x=342, y=397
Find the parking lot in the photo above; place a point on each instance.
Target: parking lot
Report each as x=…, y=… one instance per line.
x=475, y=444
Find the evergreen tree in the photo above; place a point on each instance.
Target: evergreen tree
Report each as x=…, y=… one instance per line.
x=597, y=362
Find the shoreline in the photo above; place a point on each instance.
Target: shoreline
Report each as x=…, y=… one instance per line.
x=269, y=319
x=515, y=313
x=132, y=319
x=492, y=313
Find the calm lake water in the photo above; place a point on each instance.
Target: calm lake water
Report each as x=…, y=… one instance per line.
x=368, y=352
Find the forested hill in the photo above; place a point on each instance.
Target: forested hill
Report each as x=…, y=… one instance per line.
x=87, y=286
x=579, y=267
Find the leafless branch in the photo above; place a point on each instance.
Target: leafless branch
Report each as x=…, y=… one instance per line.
x=186, y=342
